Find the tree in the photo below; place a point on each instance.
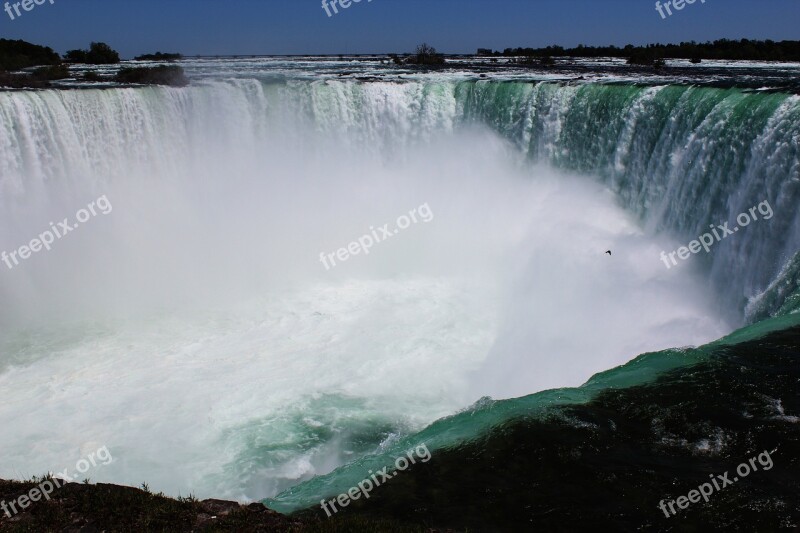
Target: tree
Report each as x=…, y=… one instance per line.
x=16, y=55
x=427, y=55
x=75, y=56
x=101, y=54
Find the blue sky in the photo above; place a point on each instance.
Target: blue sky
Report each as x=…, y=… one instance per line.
x=453, y=26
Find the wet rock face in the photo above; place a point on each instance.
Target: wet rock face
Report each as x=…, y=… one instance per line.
x=172, y=75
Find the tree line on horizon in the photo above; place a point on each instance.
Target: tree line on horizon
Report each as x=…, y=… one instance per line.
x=744, y=49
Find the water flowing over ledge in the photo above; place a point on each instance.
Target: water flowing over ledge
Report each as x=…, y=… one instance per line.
x=681, y=158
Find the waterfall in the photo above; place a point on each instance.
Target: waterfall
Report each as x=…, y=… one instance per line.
x=680, y=158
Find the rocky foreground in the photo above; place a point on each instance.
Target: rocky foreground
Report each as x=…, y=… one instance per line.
x=78, y=507
x=103, y=507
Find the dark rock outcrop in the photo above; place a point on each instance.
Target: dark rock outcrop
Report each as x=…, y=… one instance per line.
x=158, y=56
x=172, y=75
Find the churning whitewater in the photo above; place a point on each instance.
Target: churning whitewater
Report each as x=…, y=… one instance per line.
x=203, y=293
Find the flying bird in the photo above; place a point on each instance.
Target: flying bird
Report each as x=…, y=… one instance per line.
x=608, y=252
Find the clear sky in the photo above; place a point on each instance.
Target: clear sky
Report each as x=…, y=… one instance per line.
x=224, y=27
